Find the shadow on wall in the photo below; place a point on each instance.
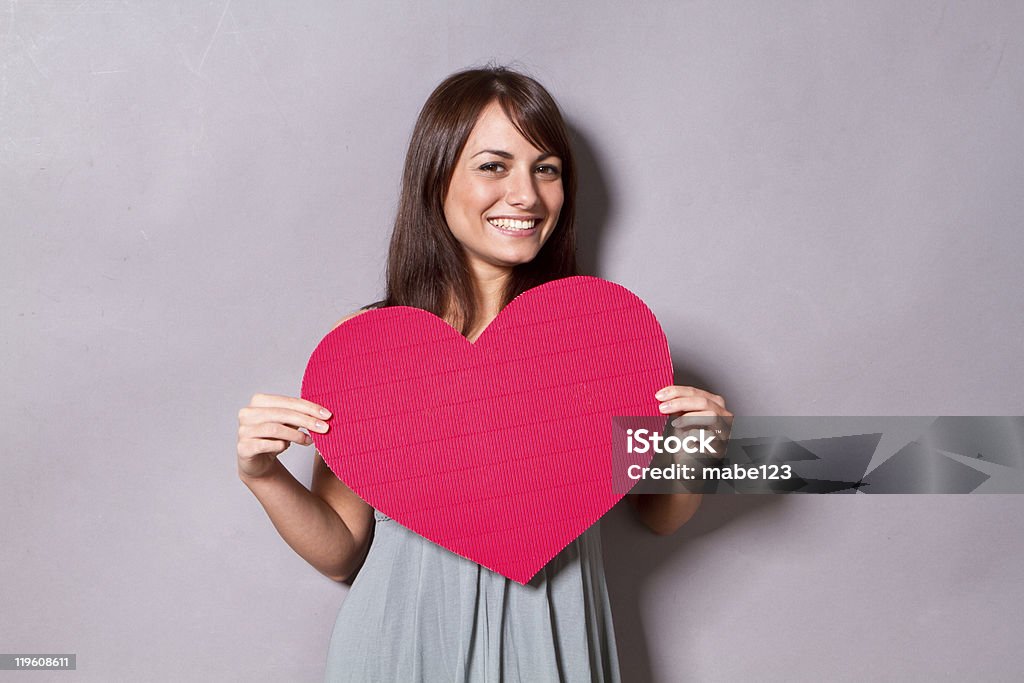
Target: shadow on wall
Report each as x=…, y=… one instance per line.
x=632, y=554
x=592, y=204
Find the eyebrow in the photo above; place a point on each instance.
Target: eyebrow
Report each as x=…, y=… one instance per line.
x=505, y=155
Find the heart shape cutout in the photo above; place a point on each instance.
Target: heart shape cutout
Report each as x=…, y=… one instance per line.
x=499, y=450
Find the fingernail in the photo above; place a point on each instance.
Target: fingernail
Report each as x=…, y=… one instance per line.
x=661, y=394
x=324, y=412
x=664, y=407
x=321, y=426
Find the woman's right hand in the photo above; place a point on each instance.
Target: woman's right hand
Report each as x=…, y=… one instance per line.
x=269, y=425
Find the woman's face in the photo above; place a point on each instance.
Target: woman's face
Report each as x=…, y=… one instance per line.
x=504, y=197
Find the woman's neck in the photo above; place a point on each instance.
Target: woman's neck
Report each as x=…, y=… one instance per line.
x=489, y=284
x=490, y=293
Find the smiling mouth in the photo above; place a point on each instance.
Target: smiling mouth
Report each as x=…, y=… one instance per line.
x=513, y=225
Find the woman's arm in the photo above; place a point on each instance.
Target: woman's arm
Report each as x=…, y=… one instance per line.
x=664, y=513
x=328, y=525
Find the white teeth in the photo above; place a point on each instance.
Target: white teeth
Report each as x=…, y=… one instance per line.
x=509, y=224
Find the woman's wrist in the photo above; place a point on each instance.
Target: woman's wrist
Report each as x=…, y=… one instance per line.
x=251, y=477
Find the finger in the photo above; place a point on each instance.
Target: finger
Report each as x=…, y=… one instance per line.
x=714, y=416
x=686, y=404
x=696, y=419
x=250, y=448
x=720, y=425
x=286, y=416
x=274, y=430
x=676, y=391
x=300, y=405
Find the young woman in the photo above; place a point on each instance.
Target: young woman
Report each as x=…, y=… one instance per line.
x=487, y=211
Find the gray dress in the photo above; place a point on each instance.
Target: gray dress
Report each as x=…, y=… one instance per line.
x=417, y=612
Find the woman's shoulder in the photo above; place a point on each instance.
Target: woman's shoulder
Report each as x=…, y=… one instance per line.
x=364, y=309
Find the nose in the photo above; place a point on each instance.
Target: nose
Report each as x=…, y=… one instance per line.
x=521, y=191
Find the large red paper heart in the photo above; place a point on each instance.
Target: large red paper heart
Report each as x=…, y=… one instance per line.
x=498, y=450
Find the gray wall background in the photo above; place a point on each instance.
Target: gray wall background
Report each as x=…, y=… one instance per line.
x=820, y=200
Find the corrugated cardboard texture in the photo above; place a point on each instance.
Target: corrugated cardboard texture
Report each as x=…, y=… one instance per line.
x=499, y=450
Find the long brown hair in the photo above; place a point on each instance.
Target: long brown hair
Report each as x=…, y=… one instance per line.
x=427, y=267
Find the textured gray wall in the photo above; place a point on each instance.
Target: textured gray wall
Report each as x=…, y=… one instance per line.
x=821, y=201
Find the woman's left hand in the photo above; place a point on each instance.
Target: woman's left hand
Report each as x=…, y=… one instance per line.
x=691, y=407
x=691, y=410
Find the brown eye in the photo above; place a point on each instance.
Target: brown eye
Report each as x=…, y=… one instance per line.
x=492, y=167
